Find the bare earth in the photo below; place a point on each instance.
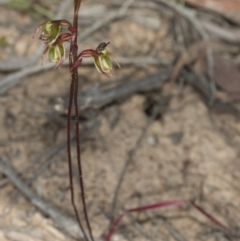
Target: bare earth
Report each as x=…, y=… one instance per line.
x=187, y=153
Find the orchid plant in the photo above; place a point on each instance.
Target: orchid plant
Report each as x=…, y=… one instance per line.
x=54, y=34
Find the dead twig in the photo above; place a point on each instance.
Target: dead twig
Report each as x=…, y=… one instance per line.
x=110, y=17
x=175, y=234
x=97, y=98
x=138, y=226
x=190, y=16
x=63, y=222
x=15, y=78
x=230, y=35
x=129, y=160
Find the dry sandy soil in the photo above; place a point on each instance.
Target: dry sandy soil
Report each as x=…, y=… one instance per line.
x=187, y=152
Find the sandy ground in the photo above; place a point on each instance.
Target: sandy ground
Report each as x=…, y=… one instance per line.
x=189, y=152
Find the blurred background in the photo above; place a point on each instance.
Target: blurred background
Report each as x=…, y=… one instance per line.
x=164, y=127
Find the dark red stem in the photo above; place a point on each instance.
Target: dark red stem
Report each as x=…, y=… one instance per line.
x=70, y=157
x=74, y=100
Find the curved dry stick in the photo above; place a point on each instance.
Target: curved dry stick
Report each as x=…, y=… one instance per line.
x=95, y=97
x=189, y=15
x=64, y=223
x=130, y=159
x=15, y=78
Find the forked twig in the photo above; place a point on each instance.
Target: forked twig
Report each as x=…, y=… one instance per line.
x=140, y=209
x=165, y=205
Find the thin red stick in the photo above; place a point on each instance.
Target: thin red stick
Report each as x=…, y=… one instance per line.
x=143, y=208
x=210, y=217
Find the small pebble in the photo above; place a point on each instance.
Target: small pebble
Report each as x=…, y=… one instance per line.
x=115, y=237
x=151, y=140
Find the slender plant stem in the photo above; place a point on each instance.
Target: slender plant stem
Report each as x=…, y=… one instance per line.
x=70, y=157
x=73, y=100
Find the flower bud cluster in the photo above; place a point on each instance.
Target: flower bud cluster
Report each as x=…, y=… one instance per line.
x=53, y=37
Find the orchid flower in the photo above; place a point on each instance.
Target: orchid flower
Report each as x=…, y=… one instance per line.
x=102, y=59
x=53, y=39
